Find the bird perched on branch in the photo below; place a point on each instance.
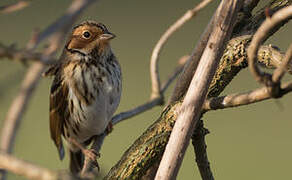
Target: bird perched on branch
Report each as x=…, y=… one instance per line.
x=85, y=92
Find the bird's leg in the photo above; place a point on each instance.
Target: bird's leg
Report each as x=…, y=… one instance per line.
x=96, y=145
x=88, y=153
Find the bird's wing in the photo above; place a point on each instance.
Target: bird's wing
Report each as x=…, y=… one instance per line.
x=58, y=106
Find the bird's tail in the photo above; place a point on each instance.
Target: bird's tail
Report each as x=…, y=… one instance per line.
x=76, y=162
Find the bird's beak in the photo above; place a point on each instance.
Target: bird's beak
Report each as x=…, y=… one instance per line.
x=107, y=36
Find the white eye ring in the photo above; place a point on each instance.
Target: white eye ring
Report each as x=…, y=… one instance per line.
x=86, y=34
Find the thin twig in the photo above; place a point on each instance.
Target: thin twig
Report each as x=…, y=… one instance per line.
x=153, y=102
x=261, y=34
x=191, y=107
x=280, y=71
x=189, y=69
x=175, y=73
x=18, y=106
x=23, y=55
x=142, y=108
x=241, y=99
x=14, y=7
x=154, y=72
x=200, y=148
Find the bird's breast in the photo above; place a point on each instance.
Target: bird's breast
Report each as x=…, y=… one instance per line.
x=94, y=95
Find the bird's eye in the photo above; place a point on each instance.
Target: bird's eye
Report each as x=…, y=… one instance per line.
x=86, y=34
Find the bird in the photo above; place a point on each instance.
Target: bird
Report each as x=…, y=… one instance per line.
x=85, y=91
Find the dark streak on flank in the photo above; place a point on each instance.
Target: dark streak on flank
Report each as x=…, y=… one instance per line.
x=71, y=106
x=84, y=84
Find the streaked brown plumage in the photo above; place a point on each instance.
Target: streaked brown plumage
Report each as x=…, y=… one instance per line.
x=86, y=89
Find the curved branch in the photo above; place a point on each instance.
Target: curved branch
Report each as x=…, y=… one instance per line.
x=280, y=71
x=157, y=49
x=275, y=58
x=261, y=34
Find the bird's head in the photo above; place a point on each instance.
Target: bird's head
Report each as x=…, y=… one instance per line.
x=90, y=36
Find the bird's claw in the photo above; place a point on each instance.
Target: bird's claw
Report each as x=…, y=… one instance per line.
x=92, y=155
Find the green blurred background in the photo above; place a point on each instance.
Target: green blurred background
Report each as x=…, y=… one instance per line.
x=251, y=142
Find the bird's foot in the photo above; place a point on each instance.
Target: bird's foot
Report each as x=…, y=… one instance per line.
x=90, y=154
x=90, y=168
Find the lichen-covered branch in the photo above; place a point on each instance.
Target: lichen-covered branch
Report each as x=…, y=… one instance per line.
x=262, y=33
x=241, y=99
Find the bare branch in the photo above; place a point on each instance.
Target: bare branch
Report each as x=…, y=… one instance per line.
x=142, y=108
x=29, y=170
x=200, y=148
x=18, y=106
x=156, y=89
x=182, y=61
x=23, y=55
x=235, y=100
x=189, y=69
x=14, y=7
x=25, y=169
x=153, y=102
x=271, y=58
x=280, y=16
x=191, y=107
x=280, y=71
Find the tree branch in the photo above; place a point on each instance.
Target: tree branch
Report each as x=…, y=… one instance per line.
x=14, y=7
x=276, y=57
x=153, y=102
x=160, y=44
x=23, y=55
x=241, y=99
x=29, y=170
x=200, y=148
x=282, y=15
x=280, y=71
